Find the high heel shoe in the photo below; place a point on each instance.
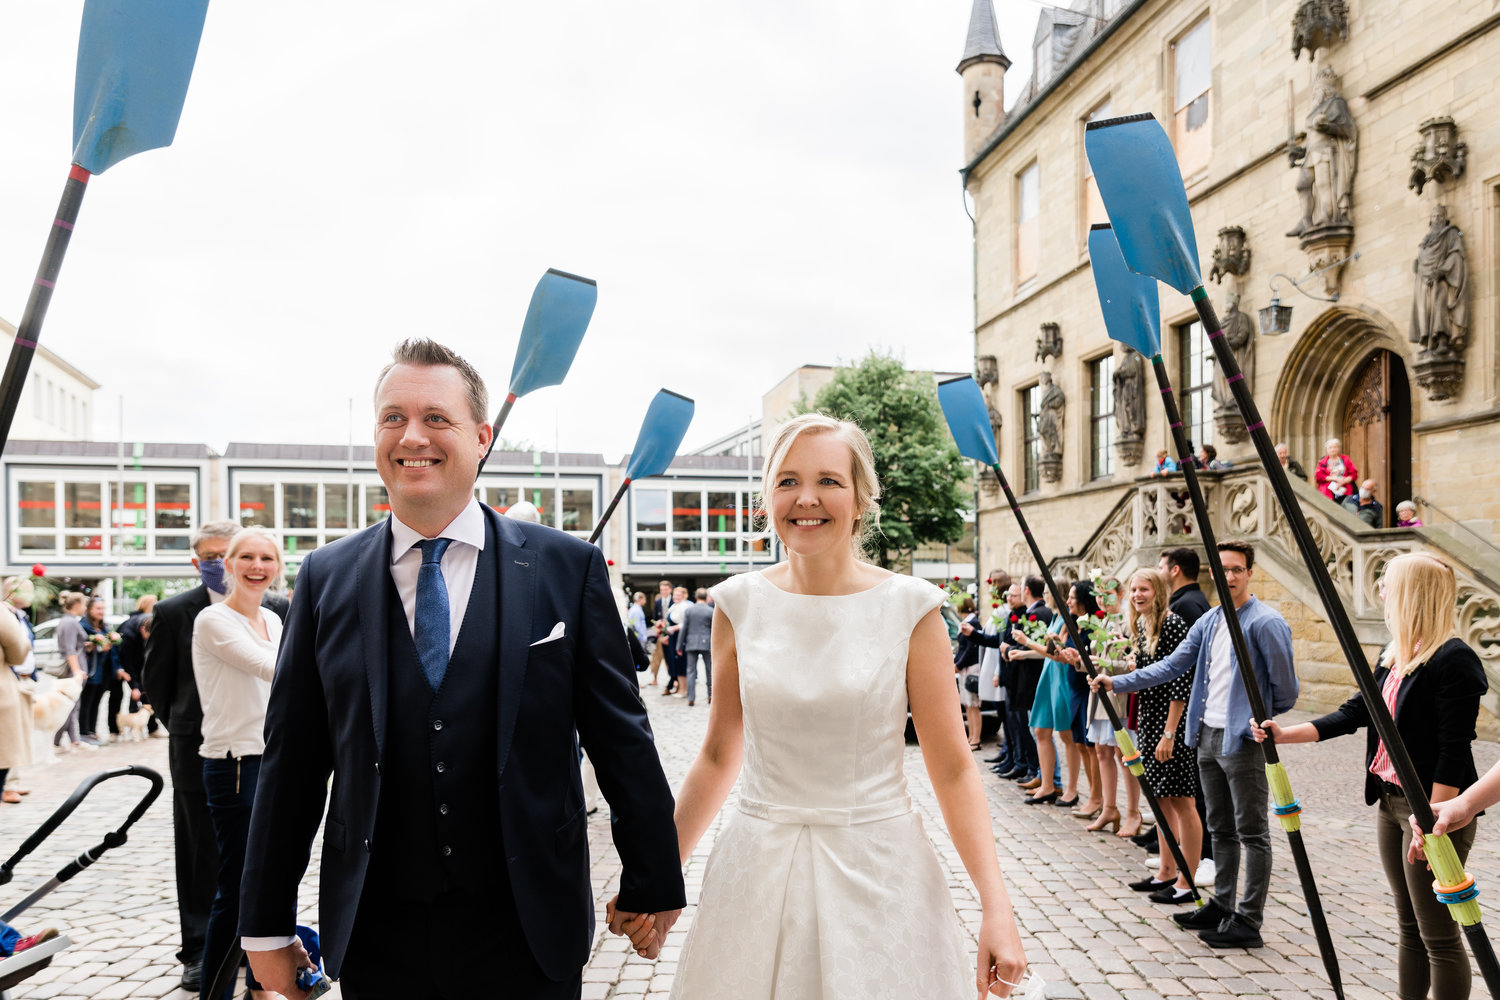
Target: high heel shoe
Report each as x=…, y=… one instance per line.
x=1106, y=820
x=1040, y=799
x=1066, y=803
x=1087, y=813
x=1129, y=831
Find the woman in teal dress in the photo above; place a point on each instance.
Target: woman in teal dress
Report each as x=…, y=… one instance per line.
x=1053, y=708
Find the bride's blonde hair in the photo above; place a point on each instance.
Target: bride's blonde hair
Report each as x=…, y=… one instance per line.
x=1421, y=609
x=862, y=471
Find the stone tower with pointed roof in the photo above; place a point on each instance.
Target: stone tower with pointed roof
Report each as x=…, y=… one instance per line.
x=983, y=69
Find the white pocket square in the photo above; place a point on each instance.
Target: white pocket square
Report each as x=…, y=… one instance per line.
x=554, y=635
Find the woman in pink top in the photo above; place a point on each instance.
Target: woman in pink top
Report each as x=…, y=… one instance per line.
x=1432, y=682
x=1335, y=475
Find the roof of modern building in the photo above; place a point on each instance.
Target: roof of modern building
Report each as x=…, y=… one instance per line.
x=365, y=454
x=108, y=449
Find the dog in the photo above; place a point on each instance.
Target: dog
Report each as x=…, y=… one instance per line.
x=51, y=708
x=132, y=725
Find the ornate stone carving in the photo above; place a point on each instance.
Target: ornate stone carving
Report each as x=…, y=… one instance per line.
x=1049, y=344
x=1439, y=156
x=1130, y=406
x=1326, y=160
x=1239, y=334
x=1319, y=24
x=989, y=489
x=1049, y=427
x=996, y=423
x=986, y=370
x=1440, y=308
x=1479, y=624
x=1231, y=256
x=1241, y=509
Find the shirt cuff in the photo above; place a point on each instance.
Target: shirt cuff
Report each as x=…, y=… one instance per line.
x=267, y=943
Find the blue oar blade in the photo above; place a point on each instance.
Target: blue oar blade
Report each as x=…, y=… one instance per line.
x=1129, y=301
x=135, y=58
x=1142, y=189
x=968, y=419
x=559, y=314
x=662, y=431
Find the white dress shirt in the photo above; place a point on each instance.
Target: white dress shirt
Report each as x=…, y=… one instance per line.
x=1221, y=677
x=459, y=563
x=234, y=666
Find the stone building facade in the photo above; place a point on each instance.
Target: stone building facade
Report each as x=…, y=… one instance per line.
x=1342, y=159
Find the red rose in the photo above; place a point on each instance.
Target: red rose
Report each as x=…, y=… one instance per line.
x=955, y=579
x=609, y=562
x=1031, y=618
x=1101, y=614
x=995, y=604
x=38, y=569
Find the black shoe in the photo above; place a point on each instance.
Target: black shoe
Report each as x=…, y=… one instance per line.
x=997, y=759
x=1206, y=917
x=1152, y=884
x=1171, y=894
x=1014, y=773
x=1145, y=839
x=1066, y=803
x=1232, y=933
x=192, y=976
x=1037, y=800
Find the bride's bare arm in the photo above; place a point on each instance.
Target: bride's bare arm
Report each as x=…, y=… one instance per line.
x=718, y=763
x=960, y=793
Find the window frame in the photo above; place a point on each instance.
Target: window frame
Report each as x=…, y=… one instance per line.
x=1102, y=427
x=1195, y=360
x=1031, y=438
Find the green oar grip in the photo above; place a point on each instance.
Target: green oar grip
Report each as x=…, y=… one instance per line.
x=1129, y=754
x=1450, y=880
x=1287, y=808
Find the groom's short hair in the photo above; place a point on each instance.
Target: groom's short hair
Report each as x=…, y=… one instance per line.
x=430, y=354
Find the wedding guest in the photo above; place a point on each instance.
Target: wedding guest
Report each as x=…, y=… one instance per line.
x=1406, y=515
x=1290, y=464
x=131, y=651
x=1208, y=458
x=1109, y=771
x=635, y=616
x=1231, y=766
x=1165, y=464
x=658, y=628
x=966, y=666
x=71, y=644
x=1431, y=681
x=234, y=659
x=676, y=657
x=1335, y=474
x=824, y=838
x=102, y=665
x=1054, y=709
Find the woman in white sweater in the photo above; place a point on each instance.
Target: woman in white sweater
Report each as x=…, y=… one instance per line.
x=234, y=657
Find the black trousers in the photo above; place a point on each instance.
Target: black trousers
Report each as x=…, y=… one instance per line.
x=88, y=709
x=117, y=689
x=459, y=946
x=197, y=854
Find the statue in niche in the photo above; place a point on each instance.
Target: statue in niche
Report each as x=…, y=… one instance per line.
x=1328, y=157
x=1440, y=307
x=996, y=422
x=1239, y=334
x=1130, y=404
x=1049, y=419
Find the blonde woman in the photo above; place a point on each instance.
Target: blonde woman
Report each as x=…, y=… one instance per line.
x=234, y=658
x=817, y=659
x=1431, y=682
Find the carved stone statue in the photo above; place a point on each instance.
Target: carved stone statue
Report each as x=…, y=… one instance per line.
x=1049, y=419
x=1130, y=405
x=1239, y=334
x=1440, y=156
x=1319, y=24
x=996, y=422
x=1327, y=159
x=1440, y=305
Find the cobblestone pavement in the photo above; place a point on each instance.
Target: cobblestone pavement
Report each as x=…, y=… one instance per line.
x=1086, y=933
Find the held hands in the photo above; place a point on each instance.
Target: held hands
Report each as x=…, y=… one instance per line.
x=1071, y=657
x=646, y=931
x=1260, y=730
x=1454, y=814
x=277, y=970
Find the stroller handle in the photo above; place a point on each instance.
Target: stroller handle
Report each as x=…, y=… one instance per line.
x=113, y=839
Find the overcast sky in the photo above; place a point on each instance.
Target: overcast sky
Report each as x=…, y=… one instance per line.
x=754, y=184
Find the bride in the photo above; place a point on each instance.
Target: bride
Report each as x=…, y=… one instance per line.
x=822, y=883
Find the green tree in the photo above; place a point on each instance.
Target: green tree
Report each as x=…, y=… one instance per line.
x=924, y=482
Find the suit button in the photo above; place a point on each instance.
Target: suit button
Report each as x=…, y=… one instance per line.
x=377, y=767
x=367, y=846
x=437, y=725
x=441, y=767
x=447, y=850
x=443, y=809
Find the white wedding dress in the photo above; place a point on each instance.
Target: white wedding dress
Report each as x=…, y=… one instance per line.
x=822, y=884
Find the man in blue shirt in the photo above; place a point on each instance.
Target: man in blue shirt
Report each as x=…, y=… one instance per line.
x=1231, y=766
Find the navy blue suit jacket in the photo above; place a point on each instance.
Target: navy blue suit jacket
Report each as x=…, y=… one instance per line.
x=328, y=712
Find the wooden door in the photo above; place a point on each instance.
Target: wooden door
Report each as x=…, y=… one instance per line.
x=1377, y=429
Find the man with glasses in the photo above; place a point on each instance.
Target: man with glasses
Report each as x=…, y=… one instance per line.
x=1231, y=766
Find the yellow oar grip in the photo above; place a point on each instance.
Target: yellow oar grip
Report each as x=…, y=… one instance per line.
x=1287, y=809
x=1129, y=754
x=1450, y=879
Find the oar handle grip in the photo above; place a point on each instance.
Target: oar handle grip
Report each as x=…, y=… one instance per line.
x=30, y=330
x=1288, y=809
x=1449, y=877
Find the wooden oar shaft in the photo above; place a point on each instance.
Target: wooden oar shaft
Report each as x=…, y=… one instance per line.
x=1088, y=665
x=1333, y=605
x=30, y=330
x=604, y=518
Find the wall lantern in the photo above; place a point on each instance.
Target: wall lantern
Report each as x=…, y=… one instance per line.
x=1277, y=318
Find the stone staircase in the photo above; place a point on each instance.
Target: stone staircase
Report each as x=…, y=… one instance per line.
x=1154, y=515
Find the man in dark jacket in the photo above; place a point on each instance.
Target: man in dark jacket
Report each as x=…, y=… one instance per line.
x=1181, y=567
x=131, y=651
x=696, y=639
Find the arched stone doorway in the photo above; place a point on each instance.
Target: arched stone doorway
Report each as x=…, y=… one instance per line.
x=1347, y=378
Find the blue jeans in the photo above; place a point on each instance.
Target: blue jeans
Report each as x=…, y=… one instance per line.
x=1237, y=796
x=229, y=783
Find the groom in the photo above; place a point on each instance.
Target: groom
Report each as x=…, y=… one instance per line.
x=438, y=666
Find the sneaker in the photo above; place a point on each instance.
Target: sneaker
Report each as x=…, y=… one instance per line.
x=34, y=940
x=1206, y=872
x=1206, y=917
x=1232, y=933
x=1153, y=863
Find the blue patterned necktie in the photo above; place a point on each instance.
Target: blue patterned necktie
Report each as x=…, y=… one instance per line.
x=430, y=629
